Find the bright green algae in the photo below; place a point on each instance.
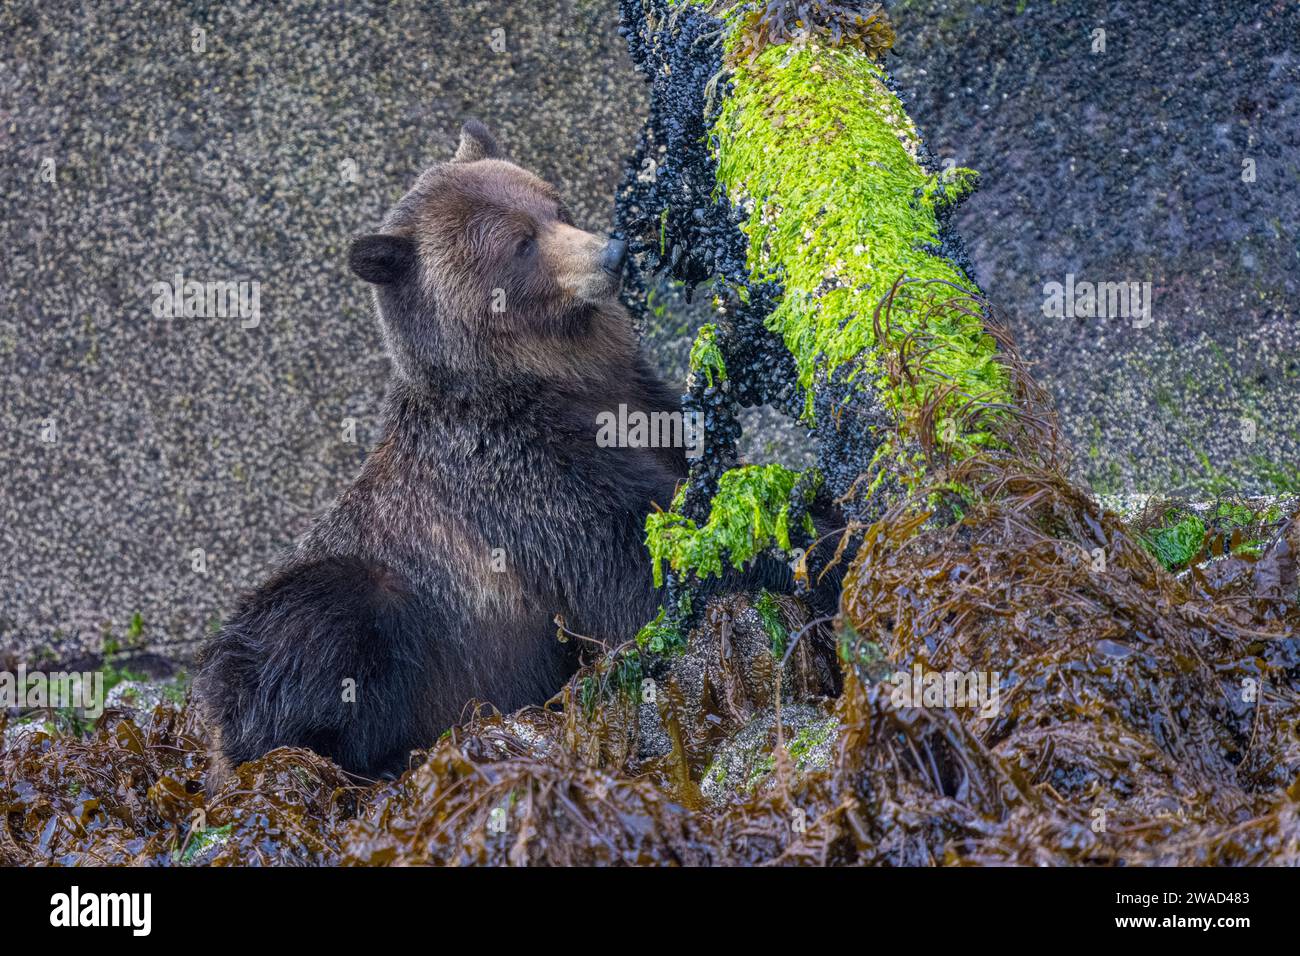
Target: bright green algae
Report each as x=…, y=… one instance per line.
x=750, y=512
x=706, y=355
x=821, y=155
x=822, y=159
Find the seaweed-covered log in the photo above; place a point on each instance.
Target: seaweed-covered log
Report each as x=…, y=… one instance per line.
x=779, y=165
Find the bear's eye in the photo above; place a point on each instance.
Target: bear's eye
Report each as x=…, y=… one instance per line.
x=524, y=247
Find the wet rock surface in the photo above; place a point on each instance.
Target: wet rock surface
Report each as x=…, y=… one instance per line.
x=1121, y=158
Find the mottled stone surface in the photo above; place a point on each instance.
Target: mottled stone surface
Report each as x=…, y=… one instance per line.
x=1126, y=163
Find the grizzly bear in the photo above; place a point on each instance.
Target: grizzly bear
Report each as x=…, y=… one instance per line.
x=486, y=508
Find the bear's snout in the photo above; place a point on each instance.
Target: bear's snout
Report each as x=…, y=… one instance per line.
x=586, y=266
x=613, y=256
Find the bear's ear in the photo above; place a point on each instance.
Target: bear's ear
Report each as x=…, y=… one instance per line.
x=475, y=143
x=381, y=259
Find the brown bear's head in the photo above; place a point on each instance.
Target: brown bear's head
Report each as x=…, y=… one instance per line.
x=479, y=272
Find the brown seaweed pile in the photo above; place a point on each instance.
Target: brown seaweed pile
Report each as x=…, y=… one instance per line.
x=859, y=26
x=1019, y=681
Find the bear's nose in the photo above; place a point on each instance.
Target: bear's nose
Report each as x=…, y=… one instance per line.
x=611, y=258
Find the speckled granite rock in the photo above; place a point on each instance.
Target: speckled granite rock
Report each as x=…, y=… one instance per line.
x=1126, y=160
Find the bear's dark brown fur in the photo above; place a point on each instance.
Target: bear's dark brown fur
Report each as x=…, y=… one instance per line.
x=486, y=508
